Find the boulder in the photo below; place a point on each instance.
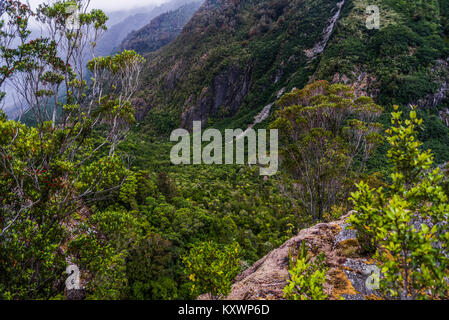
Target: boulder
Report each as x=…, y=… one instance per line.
x=348, y=269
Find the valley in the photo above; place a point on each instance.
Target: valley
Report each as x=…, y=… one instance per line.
x=361, y=117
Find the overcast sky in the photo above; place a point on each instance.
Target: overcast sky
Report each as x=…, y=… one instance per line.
x=113, y=5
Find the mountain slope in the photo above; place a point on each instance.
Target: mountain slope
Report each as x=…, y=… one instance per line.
x=235, y=55
x=115, y=34
x=160, y=31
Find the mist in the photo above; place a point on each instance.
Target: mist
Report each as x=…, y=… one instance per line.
x=117, y=10
x=115, y=5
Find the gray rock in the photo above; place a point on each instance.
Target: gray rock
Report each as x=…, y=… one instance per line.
x=345, y=234
x=226, y=94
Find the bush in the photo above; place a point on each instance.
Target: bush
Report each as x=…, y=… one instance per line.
x=307, y=277
x=407, y=222
x=212, y=269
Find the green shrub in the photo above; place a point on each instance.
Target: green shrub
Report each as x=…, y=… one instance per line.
x=408, y=221
x=212, y=269
x=307, y=276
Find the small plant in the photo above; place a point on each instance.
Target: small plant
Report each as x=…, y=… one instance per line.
x=212, y=269
x=307, y=276
x=407, y=223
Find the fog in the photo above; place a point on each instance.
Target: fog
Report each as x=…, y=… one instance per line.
x=114, y=8
x=112, y=5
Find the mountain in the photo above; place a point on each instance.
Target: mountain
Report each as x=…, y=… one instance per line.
x=160, y=31
x=115, y=34
x=115, y=17
x=153, y=230
x=119, y=29
x=234, y=56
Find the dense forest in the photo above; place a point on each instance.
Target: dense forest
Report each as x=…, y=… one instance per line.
x=162, y=30
x=86, y=176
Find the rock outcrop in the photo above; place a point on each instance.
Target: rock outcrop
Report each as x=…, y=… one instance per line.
x=440, y=75
x=321, y=45
x=348, y=270
x=363, y=83
x=224, y=96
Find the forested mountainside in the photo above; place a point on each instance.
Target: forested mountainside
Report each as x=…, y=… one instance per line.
x=161, y=30
x=234, y=57
x=90, y=184
x=112, y=39
x=230, y=52
x=348, y=269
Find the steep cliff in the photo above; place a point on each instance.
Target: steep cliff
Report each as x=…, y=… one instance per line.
x=396, y=63
x=117, y=32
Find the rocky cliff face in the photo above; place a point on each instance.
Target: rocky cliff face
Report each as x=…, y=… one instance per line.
x=225, y=95
x=347, y=275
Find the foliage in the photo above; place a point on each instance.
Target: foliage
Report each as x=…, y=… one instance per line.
x=188, y=205
x=212, y=269
x=51, y=171
x=307, y=276
x=408, y=221
x=328, y=135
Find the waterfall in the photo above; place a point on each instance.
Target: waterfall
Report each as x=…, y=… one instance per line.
x=320, y=46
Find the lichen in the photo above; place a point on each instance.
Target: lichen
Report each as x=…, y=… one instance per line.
x=340, y=284
x=372, y=297
x=349, y=248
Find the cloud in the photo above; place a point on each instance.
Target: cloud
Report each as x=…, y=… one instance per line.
x=113, y=5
